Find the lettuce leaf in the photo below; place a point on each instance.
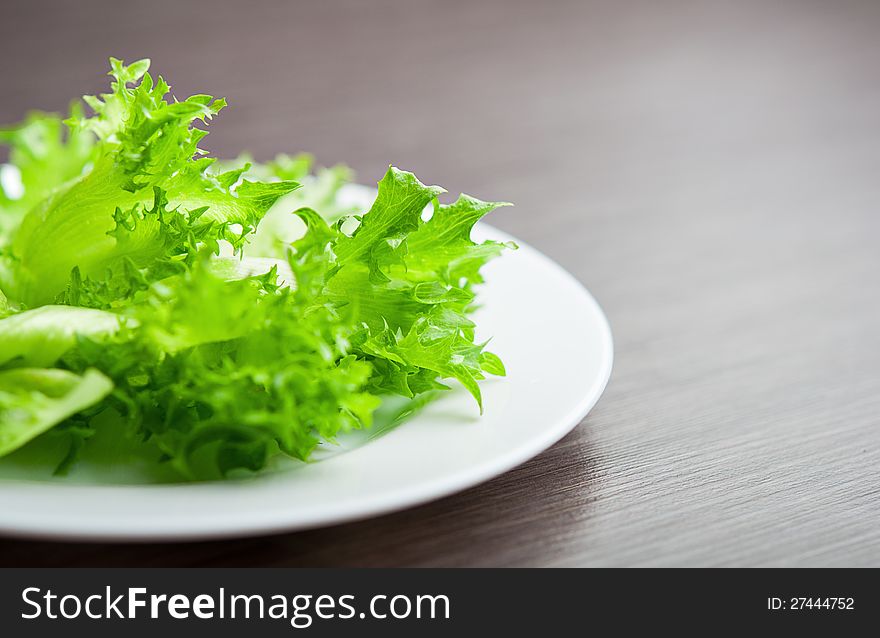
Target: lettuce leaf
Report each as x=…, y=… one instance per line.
x=322, y=190
x=44, y=155
x=214, y=311
x=408, y=282
x=146, y=153
x=39, y=337
x=32, y=400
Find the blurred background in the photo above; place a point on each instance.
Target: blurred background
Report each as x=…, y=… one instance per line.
x=707, y=169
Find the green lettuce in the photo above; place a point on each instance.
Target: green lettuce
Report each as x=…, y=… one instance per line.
x=45, y=155
x=40, y=336
x=147, y=173
x=215, y=310
x=32, y=400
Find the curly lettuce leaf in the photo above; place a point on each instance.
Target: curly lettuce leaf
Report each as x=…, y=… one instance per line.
x=322, y=190
x=408, y=283
x=146, y=144
x=220, y=375
x=44, y=155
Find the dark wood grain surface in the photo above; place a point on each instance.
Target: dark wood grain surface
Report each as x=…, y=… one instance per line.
x=708, y=169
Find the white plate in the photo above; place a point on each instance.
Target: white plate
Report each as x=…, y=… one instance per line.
x=555, y=343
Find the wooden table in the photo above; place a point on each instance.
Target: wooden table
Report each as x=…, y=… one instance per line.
x=709, y=170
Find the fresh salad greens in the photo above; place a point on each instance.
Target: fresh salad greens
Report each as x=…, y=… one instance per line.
x=222, y=313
